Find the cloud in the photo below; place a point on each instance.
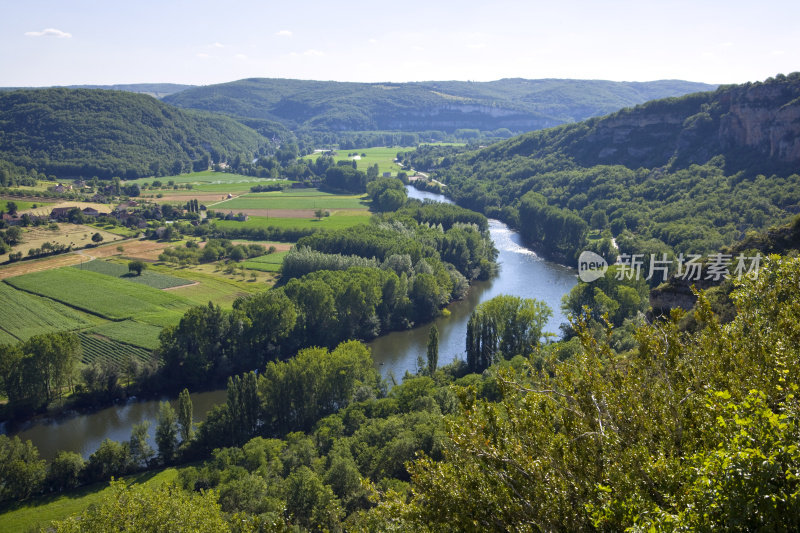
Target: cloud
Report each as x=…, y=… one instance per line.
x=203, y=55
x=314, y=53
x=49, y=32
x=373, y=41
x=240, y=56
x=283, y=33
x=218, y=45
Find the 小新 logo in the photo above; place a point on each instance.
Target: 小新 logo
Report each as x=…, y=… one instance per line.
x=591, y=266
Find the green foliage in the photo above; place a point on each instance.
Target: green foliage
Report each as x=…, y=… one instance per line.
x=33, y=373
x=167, y=432
x=144, y=276
x=109, y=133
x=111, y=459
x=688, y=432
x=387, y=194
x=137, y=267
x=504, y=326
x=21, y=470
x=433, y=349
x=64, y=471
x=185, y=411
x=137, y=508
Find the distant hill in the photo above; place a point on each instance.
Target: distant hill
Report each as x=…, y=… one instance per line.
x=684, y=175
x=156, y=90
x=755, y=126
x=514, y=104
x=86, y=132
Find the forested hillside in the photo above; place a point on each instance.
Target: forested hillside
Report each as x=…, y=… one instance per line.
x=513, y=104
x=687, y=174
x=83, y=132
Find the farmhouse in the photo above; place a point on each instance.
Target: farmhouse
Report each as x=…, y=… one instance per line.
x=11, y=220
x=60, y=212
x=91, y=212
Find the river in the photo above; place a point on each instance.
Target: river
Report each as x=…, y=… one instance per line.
x=522, y=273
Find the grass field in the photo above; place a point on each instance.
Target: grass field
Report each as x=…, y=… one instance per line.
x=289, y=200
x=24, y=315
x=32, y=515
x=99, y=294
x=22, y=205
x=130, y=332
x=337, y=220
x=118, y=270
x=209, y=284
x=382, y=155
x=266, y=263
x=206, y=181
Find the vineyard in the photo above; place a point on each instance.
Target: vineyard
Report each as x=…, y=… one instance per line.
x=99, y=294
x=23, y=315
x=148, y=277
x=100, y=350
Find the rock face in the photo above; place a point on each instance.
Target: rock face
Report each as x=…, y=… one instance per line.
x=747, y=124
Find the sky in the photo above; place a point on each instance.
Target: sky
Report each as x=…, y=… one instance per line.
x=201, y=42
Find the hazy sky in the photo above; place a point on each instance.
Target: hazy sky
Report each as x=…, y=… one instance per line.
x=63, y=42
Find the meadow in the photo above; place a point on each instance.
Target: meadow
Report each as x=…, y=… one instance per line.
x=205, y=181
x=266, y=263
x=382, y=155
x=22, y=205
x=102, y=295
x=337, y=220
x=76, y=235
x=101, y=350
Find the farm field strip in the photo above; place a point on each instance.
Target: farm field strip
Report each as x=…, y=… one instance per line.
x=98, y=350
x=267, y=201
x=99, y=294
x=24, y=315
x=337, y=220
x=148, y=277
x=130, y=332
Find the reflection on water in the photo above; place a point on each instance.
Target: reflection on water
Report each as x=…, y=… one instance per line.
x=522, y=273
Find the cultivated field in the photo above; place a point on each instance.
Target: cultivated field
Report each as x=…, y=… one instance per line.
x=290, y=200
x=337, y=220
x=148, y=277
x=23, y=315
x=45, y=209
x=102, y=295
x=130, y=332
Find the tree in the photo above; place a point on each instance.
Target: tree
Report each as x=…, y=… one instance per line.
x=11, y=207
x=21, y=470
x=141, y=451
x=65, y=470
x=136, y=508
x=319, y=213
x=110, y=459
x=433, y=349
x=97, y=238
x=137, y=267
x=185, y=416
x=167, y=432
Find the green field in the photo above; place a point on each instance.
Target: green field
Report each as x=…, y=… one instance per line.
x=337, y=220
x=382, y=155
x=32, y=515
x=130, y=332
x=21, y=204
x=206, y=181
x=266, y=263
x=148, y=277
x=102, y=295
x=209, y=285
x=23, y=315
x=289, y=200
